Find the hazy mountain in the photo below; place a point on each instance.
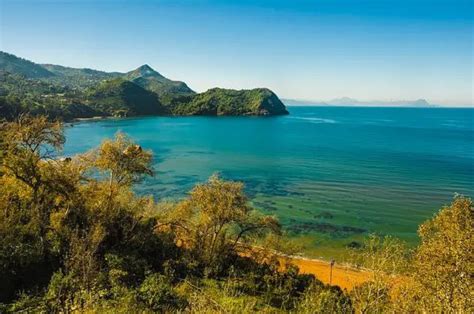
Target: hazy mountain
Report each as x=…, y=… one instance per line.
x=303, y=102
x=346, y=101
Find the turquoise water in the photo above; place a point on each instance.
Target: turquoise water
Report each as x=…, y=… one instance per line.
x=331, y=174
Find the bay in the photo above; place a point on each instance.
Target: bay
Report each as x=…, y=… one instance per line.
x=330, y=174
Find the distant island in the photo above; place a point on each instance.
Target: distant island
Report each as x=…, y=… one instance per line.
x=66, y=93
x=346, y=101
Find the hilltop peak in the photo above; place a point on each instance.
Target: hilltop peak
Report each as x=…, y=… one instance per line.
x=145, y=71
x=149, y=79
x=145, y=67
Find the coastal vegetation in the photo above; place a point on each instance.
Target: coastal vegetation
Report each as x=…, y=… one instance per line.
x=67, y=93
x=74, y=237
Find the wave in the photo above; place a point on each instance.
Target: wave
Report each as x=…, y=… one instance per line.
x=315, y=119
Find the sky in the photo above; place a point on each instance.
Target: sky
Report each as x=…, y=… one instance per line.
x=308, y=50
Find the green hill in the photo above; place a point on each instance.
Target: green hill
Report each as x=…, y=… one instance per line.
x=153, y=81
x=78, y=78
x=119, y=97
x=219, y=101
x=68, y=93
x=19, y=95
x=13, y=64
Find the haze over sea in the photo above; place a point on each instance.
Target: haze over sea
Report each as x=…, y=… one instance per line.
x=331, y=174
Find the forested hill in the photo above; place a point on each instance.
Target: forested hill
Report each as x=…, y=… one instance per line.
x=69, y=93
x=153, y=81
x=13, y=64
x=219, y=101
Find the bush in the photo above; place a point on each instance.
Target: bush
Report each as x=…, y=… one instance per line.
x=158, y=295
x=324, y=299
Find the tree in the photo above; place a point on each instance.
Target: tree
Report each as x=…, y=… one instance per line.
x=124, y=161
x=28, y=194
x=215, y=220
x=444, y=261
x=56, y=218
x=439, y=277
x=26, y=143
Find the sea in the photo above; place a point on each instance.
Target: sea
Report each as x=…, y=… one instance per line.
x=331, y=175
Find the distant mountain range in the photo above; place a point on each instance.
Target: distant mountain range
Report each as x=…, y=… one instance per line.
x=346, y=101
x=68, y=93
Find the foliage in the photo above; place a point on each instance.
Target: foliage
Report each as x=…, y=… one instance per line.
x=444, y=262
x=385, y=255
x=74, y=237
x=158, y=294
x=119, y=97
x=436, y=277
x=214, y=221
x=123, y=160
x=20, y=95
x=320, y=299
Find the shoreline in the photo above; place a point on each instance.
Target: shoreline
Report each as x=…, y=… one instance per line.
x=344, y=275
x=99, y=118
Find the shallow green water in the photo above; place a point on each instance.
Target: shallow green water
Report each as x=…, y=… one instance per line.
x=331, y=174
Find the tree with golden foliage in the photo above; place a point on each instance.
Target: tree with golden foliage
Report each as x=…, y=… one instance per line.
x=436, y=277
x=443, y=264
x=124, y=161
x=215, y=220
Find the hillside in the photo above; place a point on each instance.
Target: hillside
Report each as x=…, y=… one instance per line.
x=68, y=93
x=118, y=97
x=78, y=78
x=151, y=80
x=13, y=64
x=19, y=95
x=219, y=101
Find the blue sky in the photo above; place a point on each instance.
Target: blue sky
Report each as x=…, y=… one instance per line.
x=383, y=50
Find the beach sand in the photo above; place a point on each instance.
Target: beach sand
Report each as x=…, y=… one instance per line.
x=342, y=276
